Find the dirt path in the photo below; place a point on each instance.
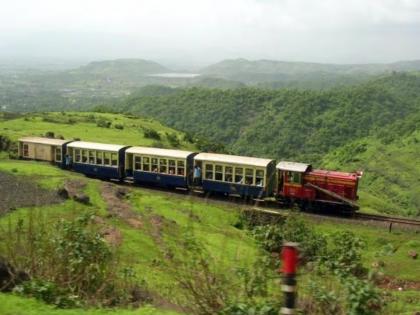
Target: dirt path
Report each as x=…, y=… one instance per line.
x=16, y=192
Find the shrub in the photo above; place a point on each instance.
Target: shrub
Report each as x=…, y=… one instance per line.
x=362, y=297
x=173, y=139
x=67, y=259
x=5, y=143
x=344, y=253
x=103, y=123
x=312, y=245
x=151, y=134
x=119, y=126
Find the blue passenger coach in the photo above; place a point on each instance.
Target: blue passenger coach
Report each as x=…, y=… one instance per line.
x=161, y=167
x=97, y=159
x=236, y=175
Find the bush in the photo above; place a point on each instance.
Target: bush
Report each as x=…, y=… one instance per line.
x=173, y=139
x=312, y=245
x=5, y=143
x=103, y=123
x=151, y=134
x=344, y=253
x=119, y=126
x=67, y=259
x=48, y=292
x=50, y=134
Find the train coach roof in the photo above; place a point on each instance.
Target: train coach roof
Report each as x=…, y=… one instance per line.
x=293, y=166
x=42, y=140
x=232, y=159
x=178, y=154
x=96, y=146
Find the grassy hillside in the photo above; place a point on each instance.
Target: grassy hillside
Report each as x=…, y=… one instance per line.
x=123, y=129
x=164, y=219
x=391, y=172
x=161, y=238
x=304, y=125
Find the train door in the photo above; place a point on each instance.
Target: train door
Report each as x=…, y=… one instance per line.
x=281, y=183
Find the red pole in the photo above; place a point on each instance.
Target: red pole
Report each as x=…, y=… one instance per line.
x=289, y=256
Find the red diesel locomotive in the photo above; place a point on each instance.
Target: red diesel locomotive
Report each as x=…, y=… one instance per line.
x=299, y=183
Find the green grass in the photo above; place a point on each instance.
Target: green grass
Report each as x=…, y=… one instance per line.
x=390, y=183
x=14, y=305
x=212, y=225
x=84, y=126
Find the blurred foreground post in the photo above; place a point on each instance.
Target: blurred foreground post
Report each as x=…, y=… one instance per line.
x=289, y=258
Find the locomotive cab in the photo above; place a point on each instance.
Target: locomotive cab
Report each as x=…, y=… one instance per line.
x=290, y=180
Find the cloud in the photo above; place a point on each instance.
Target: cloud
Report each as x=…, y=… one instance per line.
x=328, y=30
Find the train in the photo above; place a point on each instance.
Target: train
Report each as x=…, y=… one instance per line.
x=210, y=173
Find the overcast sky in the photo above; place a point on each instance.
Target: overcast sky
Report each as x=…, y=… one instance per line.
x=198, y=32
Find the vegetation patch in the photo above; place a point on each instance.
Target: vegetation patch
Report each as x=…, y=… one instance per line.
x=18, y=191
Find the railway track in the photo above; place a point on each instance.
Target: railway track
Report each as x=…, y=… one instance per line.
x=274, y=208
x=383, y=218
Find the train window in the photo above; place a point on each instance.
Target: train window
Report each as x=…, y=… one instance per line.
x=172, y=167
x=228, y=174
x=180, y=168
x=25, y=150
x=84, y=156
x=163, y=166
x=107, y=158
x=77, y=155
x=249, y=176
x=155, y=165
x=259, y=177
x=92, y=157
x=99, y=157
x=239, y=175
x=218, y=174
x=137, y=162
x=146, y=164
x=58, y=156
x=209, y=171
x=114, y=159
x=294, y=177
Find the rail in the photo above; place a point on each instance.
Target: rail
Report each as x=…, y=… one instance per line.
x=383, y=218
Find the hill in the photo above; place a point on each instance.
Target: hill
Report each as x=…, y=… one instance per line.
x=96, y=127
x=291, y=124
x=259, y=71
x=174, y=253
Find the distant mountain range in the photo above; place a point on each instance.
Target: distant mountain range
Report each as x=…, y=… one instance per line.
x=101, y=80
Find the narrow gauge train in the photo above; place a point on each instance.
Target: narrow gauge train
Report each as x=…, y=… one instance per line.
x=248, y=177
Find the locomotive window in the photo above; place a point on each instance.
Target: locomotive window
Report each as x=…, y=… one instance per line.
x=181, y=168
x=259, y=177
x=218, y=175
x=58, y=154
x=107, y=158
x=25, y=150
x=77, y=155
x=163, y=167
x=137, y=162
x=114, y=159
x=294, y=177
x=172, y=167
x=146, y=164
x=91, y=157
x=249, y=176
x=84, y=156
x=209, y=171
x=239, y=175
x=228, y=174
x=155, y=165
x=99, y=157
